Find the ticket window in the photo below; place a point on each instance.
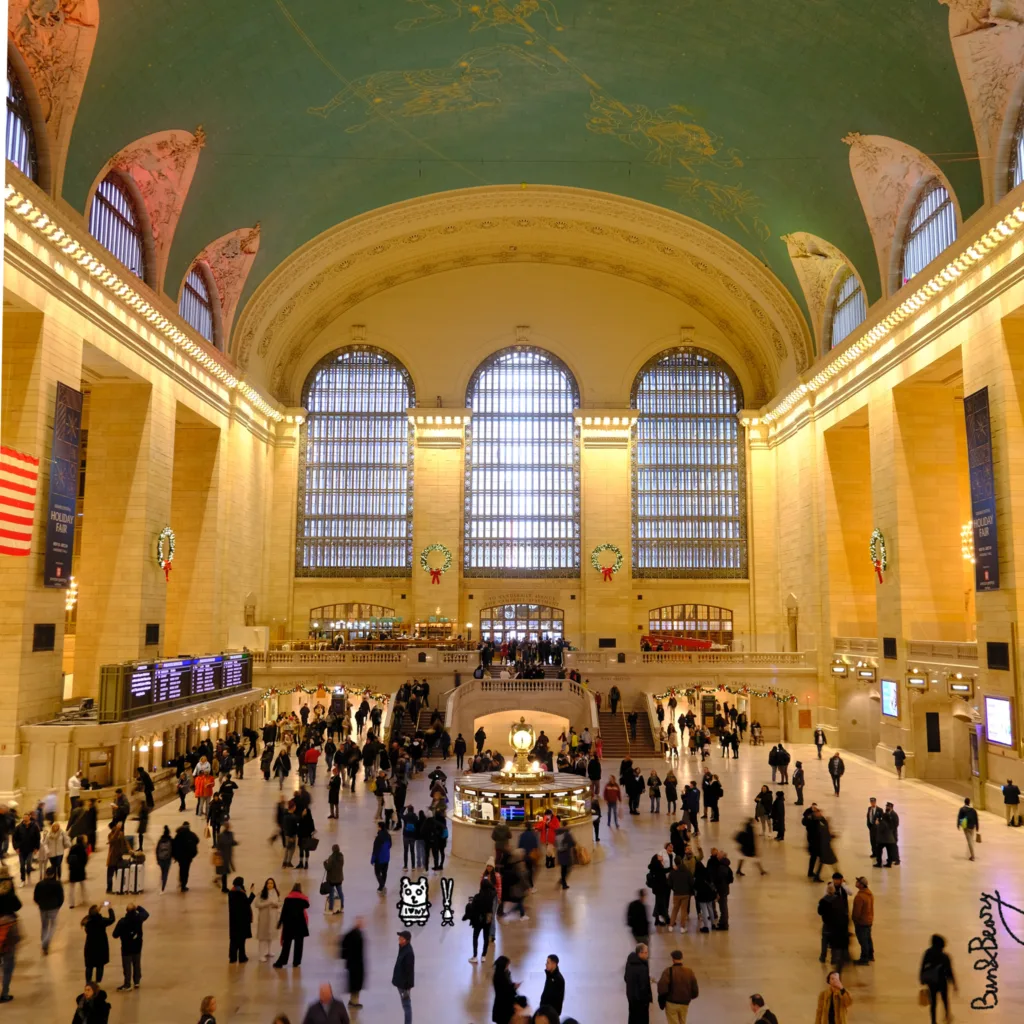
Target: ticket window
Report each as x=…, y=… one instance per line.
x=96, y=765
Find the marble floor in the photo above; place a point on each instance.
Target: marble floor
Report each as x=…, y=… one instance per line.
x=772, y=946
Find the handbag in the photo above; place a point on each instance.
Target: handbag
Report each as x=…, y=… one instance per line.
x=923, y=998
x=325, y=886
x=310, y=843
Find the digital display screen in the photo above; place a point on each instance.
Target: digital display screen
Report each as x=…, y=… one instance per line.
x=999, y=721
x=140, y=686
x=890, y=698
x=235, y=673
x=206, y=675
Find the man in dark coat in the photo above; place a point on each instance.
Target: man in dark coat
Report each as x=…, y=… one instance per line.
x=637, y=919
x=720, y=873
x=834, y=910
x=836, y=768
x=638, y=985
x=554, y=985
x=239, y=919
x=184, y=847
x=403, y=977
x=129, y=931
x=327, y=1009
x=352, y=954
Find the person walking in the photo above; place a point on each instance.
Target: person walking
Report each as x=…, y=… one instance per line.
x=403, y=977
x=164, y=855
x=833, y=1002
x=937, y=975
x=505, y=990
x=967, y=821
x=91, y=1007
x=327, y=1009
x=899, y=756
x=26, y=840
x=129, y=931
x=78, y=857
x=268, y=906
x=239, y=919
x=9, y=934
x=637, y=919
x=819, y=739
x=184, y=848
x=333, y=793
x=677, y=988
x=224, y=858
x=294, y=924
x=747, y=840
x=637, y=977
x=49, y=898
x=863, y=915
x=334, y=876
x=798, y=783
x=97, y=944
x=612, y=795
x=762, y=1015
x=352, y=952
x=565, y=847
x=380, y=855
x=835, y=770
x=207, y=1008
x=53, y=844
x=1011, y=803
x=763, y=809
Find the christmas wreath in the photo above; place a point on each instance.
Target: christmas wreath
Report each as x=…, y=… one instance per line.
x=435, y=574
x=606, y=571
x=879, y=557
x=165, y=551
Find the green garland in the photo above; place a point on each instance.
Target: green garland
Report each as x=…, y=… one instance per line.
x=879, y=556
x=742, y=691
x=165, y=560
x=425, y=555
x=595, y=560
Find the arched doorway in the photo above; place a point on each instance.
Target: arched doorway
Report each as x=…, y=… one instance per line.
x=692, y=621
x=521, y=622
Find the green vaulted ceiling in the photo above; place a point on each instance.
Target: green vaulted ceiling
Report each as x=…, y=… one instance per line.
x=730, y=111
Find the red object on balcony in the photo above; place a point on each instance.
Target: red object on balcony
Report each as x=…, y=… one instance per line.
x=676, y=643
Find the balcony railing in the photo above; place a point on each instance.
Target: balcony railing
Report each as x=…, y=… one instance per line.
x=942, y=650
x=866, y=645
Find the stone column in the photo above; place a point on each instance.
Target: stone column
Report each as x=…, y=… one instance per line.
x=37, y=353
x=605, y=518
x=127, y=503
x=282, y=513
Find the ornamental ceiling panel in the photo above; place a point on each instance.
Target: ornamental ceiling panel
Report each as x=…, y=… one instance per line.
x=727, y=111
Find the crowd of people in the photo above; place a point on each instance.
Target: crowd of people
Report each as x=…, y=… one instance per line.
x=329, y=746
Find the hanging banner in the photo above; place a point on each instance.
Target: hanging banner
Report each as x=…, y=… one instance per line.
x=983, y=491
x=60, y=515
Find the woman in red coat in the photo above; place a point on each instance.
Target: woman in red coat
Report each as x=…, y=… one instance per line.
x=547, y=827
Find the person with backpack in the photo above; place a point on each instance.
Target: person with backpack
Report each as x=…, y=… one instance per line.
x=164, y=855
x=565, y=846
x=129, y=931
x=479, y=913
x=184, y=848
x=380, y=855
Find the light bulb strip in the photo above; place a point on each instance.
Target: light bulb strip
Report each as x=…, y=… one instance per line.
x=995, y=238
x=22, y=207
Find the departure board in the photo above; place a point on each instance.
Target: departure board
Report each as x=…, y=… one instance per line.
x=235, y=674
x=171, y=680
x=206, y=675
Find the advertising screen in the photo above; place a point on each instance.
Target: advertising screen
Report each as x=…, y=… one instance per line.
x=890, y=698
x=999, y=720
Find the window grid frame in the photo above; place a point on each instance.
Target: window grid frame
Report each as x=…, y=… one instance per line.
x=472, y=548
x=301, y=540
x=929, y=224
x=554, y=615
x=841, y=303
x=644, y=549
x=19, y=117
x=113, y=226
x=198, y=304
x=694, y=627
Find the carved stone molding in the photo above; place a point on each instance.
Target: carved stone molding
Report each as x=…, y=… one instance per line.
x=230, y=259
x=816, y=263
x=162, y=166
x=887, y=173
x=582, y=228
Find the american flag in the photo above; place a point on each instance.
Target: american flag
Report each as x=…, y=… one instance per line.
x=19, y=480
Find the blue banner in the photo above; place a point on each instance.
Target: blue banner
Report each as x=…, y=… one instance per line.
x=983, y=491
x=63, y=497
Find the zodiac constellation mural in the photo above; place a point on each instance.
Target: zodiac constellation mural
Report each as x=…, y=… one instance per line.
x=483, y=13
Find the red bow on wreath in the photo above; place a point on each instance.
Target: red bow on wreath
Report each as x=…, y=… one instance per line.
x=607, y=571
x=878, y=569
x=167, y=572
x=435, y=576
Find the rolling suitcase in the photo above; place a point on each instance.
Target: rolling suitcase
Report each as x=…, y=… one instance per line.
x=130, y=878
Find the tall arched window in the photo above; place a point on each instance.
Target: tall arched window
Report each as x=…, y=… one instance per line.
x=21, y=142
x=355, y=481
x=522, y=468
x=198, y=294
x=689, y=484
x=115, y=223
x=930, y=229
x=1017, y=152
x=847, y=310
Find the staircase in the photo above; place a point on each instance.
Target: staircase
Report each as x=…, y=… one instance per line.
x=615, y=736
x=422, y=725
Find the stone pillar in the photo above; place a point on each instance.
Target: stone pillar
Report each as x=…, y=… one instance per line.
x=127, y=503
x=193, y=609
x=439, y=478
x=37, y=353
x=605, y=518
x=282, y=513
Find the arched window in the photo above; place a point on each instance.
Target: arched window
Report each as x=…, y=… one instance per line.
x=21, y=141
x=931, y=228
x=522, y=468
x=692, y=621
x=848, y=308
x=504, y=622
x=197, y=298
x=115, y=224
x=1017, y=152
x=355, y=482
x=689, y=484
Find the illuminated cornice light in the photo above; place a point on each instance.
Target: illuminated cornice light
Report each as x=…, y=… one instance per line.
x=980, y=250
x=34, y=218
x=967, y=542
